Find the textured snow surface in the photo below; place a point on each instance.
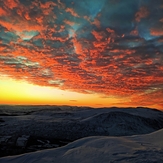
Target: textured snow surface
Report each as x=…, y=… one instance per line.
x=73, y=123
x=136, y=149
x=104, y=135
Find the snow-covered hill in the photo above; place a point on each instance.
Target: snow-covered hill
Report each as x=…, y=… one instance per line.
x=104, y=149
x=72, y=124
x=34, y=128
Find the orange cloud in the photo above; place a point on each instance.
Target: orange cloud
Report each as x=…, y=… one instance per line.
x=98, y=35
x=2, y=11
x=47, y=4
x=17, y=24
x=134, y=32
x=77, y=46
x=142, y=13
x=72, y=12
x=156, y=32
x=11, y=3
x=47, y=7
x=69, y=22
x=96, y=22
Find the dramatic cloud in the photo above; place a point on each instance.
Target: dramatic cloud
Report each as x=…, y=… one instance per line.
x=111, y=47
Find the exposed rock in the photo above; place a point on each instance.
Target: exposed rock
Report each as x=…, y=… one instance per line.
x=22, y=141
x=13, y=145
x=1, y=120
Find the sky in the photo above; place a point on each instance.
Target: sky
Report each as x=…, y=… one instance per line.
x=83, y=53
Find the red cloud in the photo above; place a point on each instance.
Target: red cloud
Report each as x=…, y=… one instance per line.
x=156, y=32
x=2, y=11
x=98, y=35
x=142, y=13
x=11, y=3
x=72, y=12
x=134, y=32
x=77, y=46
x=96, y=22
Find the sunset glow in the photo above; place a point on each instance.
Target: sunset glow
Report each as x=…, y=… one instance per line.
x=20, y=92
x=82, y=53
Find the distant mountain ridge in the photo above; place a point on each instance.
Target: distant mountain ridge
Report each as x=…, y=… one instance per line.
x=72, y=123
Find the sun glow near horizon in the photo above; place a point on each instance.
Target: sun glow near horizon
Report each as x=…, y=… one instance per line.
x=19, y=92
x=22, y=92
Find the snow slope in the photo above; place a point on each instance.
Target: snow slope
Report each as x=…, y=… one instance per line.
x=73, y=123
x=145, y=149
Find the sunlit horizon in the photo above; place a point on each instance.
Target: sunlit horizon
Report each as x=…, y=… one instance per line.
x=20, y=92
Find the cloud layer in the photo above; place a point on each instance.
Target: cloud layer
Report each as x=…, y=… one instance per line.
x=110, y=47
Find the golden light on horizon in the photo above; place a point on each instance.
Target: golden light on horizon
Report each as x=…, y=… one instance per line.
x=21, y=92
